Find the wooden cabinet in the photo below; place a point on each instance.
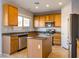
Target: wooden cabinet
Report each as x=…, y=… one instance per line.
x=10, y=15
x=47, y=18
x=39, y=47
x=57, y=20
x=36, y=21
x=51, y=17
x=39, y=21
x=10, y=44
x=14, y=44
x=42, y=21
x=57, y=39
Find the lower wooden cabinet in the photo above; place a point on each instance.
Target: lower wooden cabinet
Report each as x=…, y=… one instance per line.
x=57, y=39
x=10, y=44
x=39, y=47
x=14, y=44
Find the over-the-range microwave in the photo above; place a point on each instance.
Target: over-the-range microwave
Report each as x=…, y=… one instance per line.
x=49, y=24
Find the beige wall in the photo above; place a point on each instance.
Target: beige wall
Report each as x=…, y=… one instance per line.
x=66, y=11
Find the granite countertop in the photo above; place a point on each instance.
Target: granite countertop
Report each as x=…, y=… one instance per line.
x=37, y=38
x=40, y=37
x=12, y=33
x=24, y=32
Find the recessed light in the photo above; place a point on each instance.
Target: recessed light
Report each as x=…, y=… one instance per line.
x=60, y=3
x=36, y=7
x=47, y=5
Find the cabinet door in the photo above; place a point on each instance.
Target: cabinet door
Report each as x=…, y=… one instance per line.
x=14, y=44
x=51, y=18
x=36, y=21
x=47, y=18
x=57, y=38
x=42, y=21
x=5, y=14
x=58, y=20
x=13, y=16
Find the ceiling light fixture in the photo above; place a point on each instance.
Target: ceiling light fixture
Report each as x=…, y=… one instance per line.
x=60, y=3
x=47, y=5
x=37, y=3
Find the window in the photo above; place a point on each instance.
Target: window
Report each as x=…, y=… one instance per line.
x=20, y=21
x=23, y=21
x=26, y=22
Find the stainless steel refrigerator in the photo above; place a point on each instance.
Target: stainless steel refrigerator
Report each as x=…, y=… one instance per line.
x=73, y=23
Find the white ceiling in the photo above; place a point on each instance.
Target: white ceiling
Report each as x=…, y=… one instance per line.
x=29, y=5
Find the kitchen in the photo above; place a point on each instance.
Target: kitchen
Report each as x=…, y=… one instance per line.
x=12, y=38
x=18, y=32
x=38, y=34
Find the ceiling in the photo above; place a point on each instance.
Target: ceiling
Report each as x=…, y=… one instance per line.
x=29, y=5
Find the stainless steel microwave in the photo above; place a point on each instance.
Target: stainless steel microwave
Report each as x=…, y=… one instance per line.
x=49, y=24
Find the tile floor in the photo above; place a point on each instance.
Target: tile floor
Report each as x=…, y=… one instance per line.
x=57, y=52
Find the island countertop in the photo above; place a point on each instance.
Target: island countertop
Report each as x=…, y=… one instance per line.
x=40, y=36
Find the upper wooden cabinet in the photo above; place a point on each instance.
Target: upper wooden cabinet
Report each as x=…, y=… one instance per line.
x=36, y=21
x=47, y=18
x=57, y=20
x=42, y=21
x=10, y=15
x=51, y=17
x=39, y=21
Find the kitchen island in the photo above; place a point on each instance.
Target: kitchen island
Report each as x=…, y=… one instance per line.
x=39, y=46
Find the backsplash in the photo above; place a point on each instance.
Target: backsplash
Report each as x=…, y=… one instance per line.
x=57, y=29
x=44, y=29
x=14, y=29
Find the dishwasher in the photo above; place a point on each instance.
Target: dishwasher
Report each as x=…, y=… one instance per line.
x=22, y=41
